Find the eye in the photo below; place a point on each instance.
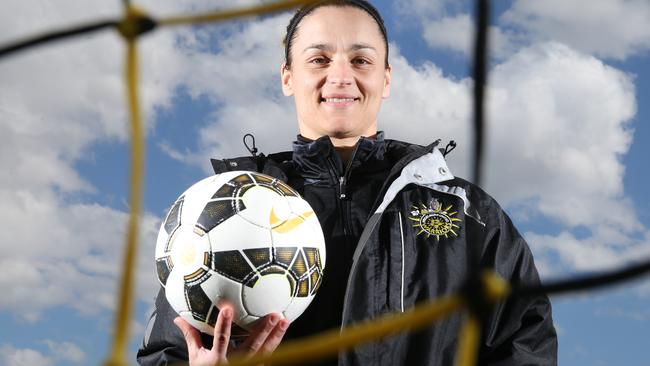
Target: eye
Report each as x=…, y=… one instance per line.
x=319, y=60
x=360, y=61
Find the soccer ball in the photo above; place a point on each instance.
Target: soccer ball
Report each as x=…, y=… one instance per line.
x=241, y=237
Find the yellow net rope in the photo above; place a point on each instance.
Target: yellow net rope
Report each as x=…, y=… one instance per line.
x=117, y=356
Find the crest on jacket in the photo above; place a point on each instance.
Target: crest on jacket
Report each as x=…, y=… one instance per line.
x=433, y=220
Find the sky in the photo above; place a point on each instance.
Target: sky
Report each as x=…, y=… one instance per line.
x=566, y=152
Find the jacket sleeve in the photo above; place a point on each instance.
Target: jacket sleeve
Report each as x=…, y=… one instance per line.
x=163, y=342
x=519, y=331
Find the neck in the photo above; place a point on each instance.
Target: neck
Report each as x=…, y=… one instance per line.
x=345, y=152
x=345, y=146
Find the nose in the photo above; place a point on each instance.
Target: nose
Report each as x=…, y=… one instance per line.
x=340, y=73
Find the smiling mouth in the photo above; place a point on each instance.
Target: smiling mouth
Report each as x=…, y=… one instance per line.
x=338, y=100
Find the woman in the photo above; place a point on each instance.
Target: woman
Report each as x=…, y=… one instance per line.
x=398, y=225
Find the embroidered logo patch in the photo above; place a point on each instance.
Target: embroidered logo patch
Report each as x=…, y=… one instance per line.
x=434, y=220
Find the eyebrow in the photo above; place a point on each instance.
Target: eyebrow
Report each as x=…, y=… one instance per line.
x=330, y=48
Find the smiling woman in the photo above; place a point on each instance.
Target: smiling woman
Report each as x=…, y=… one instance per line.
x=337, y=74
x=398, y=226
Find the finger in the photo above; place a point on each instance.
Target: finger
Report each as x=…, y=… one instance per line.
x=222, y=332
x=191, y=335
x=260, y=333
x=274, y=339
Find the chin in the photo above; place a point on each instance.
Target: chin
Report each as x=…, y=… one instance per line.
x=347, y=137
x=342, y=132
x=344, y=128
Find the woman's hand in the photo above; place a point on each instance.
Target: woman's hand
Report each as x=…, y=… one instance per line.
x=264, y=338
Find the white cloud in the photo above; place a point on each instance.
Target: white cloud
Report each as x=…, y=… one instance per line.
x=447, y=25
x=589, y=254
x=57, y=352
x=164, y=8
x=57, y=100
x=425, y=105
x=23, y=18
x=456, y=33
x=66, y=254
x=65, y=351
x=607, y=28
x=559, y=126
x=12, y=356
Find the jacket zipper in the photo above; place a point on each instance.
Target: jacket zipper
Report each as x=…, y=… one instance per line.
x=344, y=206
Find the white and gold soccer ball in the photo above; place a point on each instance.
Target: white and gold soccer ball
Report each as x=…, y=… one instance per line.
x=241, y=237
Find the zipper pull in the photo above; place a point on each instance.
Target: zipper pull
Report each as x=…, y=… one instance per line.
x=342, y=187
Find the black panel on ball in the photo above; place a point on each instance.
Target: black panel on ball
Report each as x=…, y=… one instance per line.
x=315, y=281
x=303, y=288
x=199, y=303
x=242, y=179
x=285, y=255
x=312, y=254
x=258, y=256
x=163, y=267
x=299, y=266
x=225, y=191
x=232, y=264
x=262, y=178
x=216, y=212
x=173, y=219
x=286, y=190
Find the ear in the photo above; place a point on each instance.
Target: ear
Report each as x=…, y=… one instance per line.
x=285, y=75
x=387, y=72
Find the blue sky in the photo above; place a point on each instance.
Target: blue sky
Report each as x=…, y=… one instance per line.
x=567, y=150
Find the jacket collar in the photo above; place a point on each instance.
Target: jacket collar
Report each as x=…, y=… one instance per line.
x=318, y=159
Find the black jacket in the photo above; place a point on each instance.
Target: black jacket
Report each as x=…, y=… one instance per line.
x=398, y=227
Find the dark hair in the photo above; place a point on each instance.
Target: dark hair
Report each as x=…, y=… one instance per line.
x=307, y=9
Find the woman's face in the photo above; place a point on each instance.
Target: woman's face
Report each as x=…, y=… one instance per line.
x=337, y=74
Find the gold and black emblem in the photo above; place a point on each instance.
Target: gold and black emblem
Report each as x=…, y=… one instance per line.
x=434, y=220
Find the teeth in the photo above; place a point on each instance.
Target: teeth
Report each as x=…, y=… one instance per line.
x=339, y=100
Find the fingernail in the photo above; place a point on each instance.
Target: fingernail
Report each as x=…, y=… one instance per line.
x=227, y=312
x=274, y=318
